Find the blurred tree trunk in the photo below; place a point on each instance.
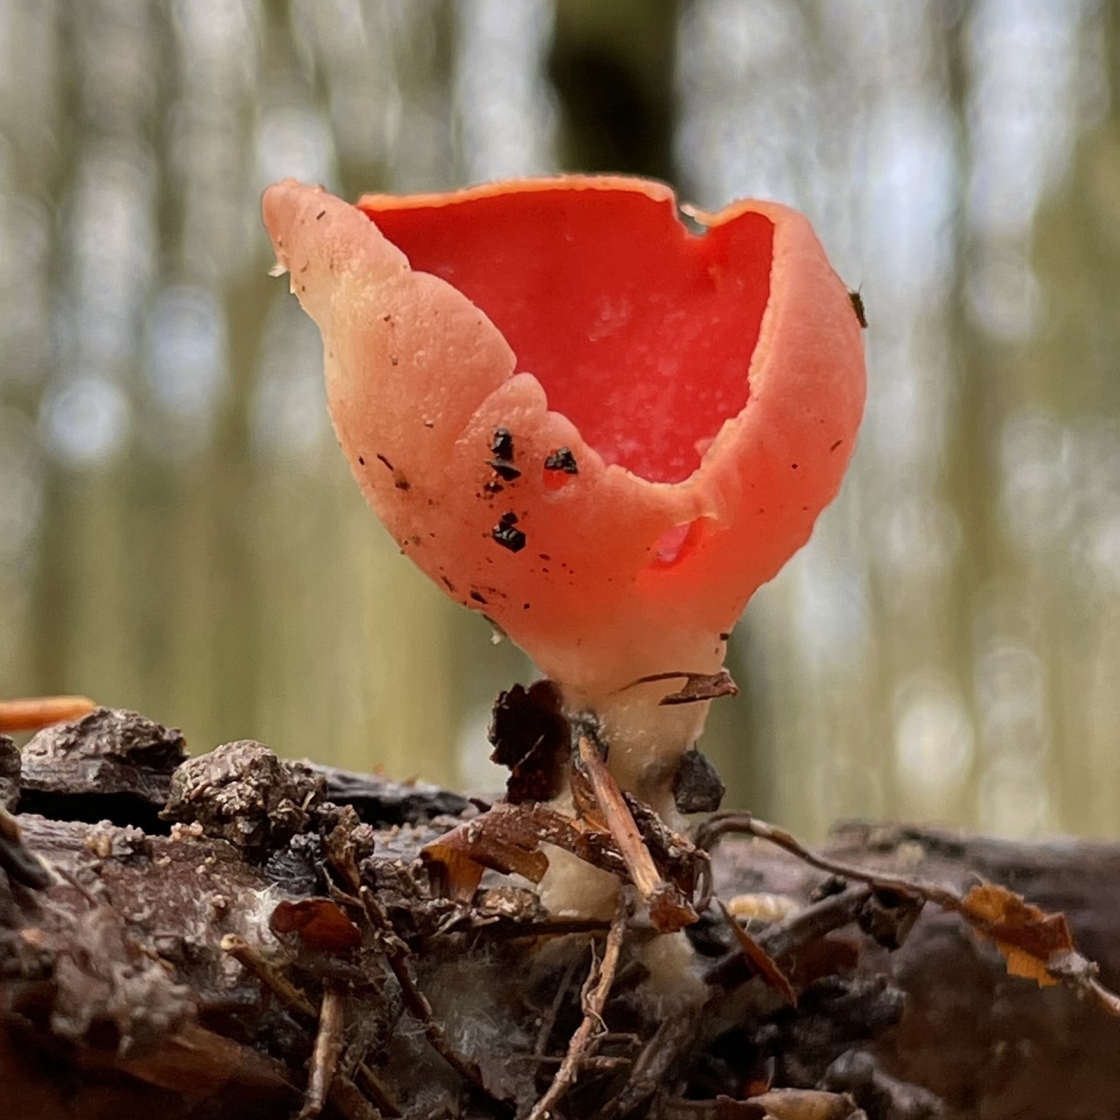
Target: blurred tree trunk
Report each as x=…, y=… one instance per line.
x=612, y=67
x=1070, y=375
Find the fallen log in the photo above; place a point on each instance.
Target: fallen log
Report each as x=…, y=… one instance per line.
x=240, y=936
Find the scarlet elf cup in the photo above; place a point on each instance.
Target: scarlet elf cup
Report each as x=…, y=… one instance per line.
x=601, y=426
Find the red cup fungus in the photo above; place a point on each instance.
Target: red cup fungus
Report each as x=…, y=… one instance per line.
x=600, y=424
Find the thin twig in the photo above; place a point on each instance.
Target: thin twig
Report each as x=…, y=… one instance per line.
x=812, y=923
x=1104, y=996
x=350, y=1102
x=548, y=1019
x=1072, y=969
x=396, y=953
x=500, y=927
x=669, y=1041
x=371, y=1085
x=69, y=877
x=669, y=910
x=510, y=930
x=596, y=991
x=750, y=825
x=324, y=1058
x=620, y=821
x=18, y=861
x=373, y=1088
x=268, y=974
x=596, y=1063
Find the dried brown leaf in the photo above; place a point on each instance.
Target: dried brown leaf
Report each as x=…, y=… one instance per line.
x=532, y=736
x=760, y=960
x=319, y=923
x=1028, y=937
x=806, y=1104
x=452, y=871
x=697, y=686
x=504, y=839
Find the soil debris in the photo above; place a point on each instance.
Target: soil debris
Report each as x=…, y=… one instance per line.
x=9, y=773
x=112, y=764
x=532, y=737
x=563, y=460
x=281, y=951
x=383, y=803
x=697, y=787
x=506, y=535
x=244, y=794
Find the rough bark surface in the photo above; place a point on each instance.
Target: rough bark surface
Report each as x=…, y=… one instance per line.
x=237, y=936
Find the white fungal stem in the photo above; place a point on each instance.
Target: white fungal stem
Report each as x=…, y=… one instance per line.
x=645, y=741
x=645, y=738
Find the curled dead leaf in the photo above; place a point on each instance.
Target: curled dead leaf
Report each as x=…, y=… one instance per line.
x=759, y=959
x=319, y=923
x=507, y=839
x=806, y=1104
x=532, y=736
x=696, y=687
x=1029, y=938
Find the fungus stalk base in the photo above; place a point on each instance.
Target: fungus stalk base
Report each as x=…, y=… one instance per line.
x=645, y=741
x=572, y=888
x=644, y=737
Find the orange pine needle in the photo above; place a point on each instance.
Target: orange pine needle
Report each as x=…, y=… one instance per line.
x=35, y=712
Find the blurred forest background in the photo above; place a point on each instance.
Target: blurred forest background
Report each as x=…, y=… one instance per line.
x=179, y=532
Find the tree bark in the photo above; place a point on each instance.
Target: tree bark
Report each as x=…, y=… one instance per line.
x=282, y=949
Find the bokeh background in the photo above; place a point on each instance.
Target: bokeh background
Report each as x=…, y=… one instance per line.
x=179, y=533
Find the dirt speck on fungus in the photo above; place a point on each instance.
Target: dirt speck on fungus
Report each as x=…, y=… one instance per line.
x=562, y=459
x=501, y=445
x=506, y=535
x=503, y=469
x=857, y=306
